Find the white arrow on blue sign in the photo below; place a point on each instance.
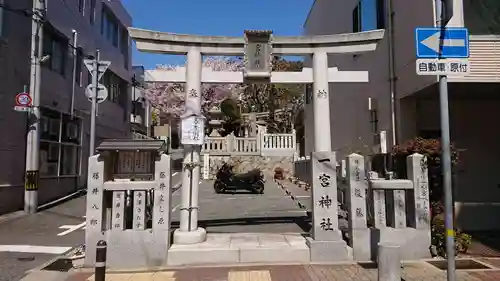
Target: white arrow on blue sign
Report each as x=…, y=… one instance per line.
x=455, y=42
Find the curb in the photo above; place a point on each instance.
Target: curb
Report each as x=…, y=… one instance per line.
x=62, y=200
x=287, y=192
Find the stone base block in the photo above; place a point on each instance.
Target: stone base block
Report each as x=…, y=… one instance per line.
x=190, y=237
x=199, y=256
x=275, y=255
x=414, y=243
x=362, y=245
x=328, y=251
x=129, y=249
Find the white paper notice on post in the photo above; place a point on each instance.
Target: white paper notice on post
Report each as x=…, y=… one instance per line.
x=193, y=130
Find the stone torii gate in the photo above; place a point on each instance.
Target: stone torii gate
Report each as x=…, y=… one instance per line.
x=258, y=48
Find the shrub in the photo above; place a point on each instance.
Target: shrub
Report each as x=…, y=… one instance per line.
x=431, y=148
x=462, y=240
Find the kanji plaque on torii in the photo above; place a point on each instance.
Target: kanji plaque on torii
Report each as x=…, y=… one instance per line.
x=258, y=56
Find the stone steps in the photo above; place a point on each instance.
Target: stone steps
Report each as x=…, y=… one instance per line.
x=235, y=248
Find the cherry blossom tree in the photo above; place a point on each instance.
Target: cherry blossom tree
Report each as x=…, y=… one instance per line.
x=167, y=99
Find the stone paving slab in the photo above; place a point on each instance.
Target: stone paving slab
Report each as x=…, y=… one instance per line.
x=414, y=271
x=231, y=248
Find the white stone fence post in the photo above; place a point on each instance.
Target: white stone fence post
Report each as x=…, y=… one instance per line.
x=400, y=209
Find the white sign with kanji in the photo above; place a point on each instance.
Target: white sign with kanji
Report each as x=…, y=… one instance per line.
x=193, y=130
x=450, y=67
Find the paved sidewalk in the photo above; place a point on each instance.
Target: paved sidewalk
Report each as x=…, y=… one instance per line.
x=416, y=271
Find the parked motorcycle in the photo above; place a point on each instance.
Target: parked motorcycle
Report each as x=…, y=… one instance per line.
x=227, y=180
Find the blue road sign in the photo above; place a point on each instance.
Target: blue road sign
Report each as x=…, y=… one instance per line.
x=455, y=43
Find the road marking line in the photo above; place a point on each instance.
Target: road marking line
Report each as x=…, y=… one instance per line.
x=34, y=249
x=176, y=207
x=70, y=228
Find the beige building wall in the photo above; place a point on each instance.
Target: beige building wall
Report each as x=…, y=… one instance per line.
x=473, y=106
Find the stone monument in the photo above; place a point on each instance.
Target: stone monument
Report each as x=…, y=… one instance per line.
x=134, y=237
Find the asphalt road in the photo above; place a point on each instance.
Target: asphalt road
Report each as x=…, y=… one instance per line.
x=271, y=212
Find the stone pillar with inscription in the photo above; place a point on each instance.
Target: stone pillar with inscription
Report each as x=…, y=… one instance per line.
x=321, y=102
x=94, y=230
x=418, y=173
x=378, y=206
x=359, y=234
x=160, y=241
x=188, y=231
x=326, y=243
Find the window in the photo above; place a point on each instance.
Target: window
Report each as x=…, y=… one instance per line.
x=103, y=22
x=92, y=11
x=381, y=18
x=57, y=58
x=79, y=64
x=60, y=146
x=1, y=17
x=114, y=34
x=115, y=86
x=111, y=29
x=356, y=18
x=369, y=15
x=56, y=47
x=124, y=46
x=81, y=6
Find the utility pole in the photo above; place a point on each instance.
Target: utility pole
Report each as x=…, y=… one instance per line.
x=32, y=172
x=93, y=111
x=444, y=8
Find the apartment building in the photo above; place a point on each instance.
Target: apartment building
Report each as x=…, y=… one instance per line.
x=140, y=117
x=474, y=100
x=65, y=129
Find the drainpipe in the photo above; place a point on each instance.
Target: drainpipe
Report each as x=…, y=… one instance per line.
x=75, y=62
x=392, y=72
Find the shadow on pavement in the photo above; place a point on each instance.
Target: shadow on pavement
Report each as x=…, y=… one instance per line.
x=303, y=222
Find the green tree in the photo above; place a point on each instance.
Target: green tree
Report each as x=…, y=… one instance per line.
x=288, y=99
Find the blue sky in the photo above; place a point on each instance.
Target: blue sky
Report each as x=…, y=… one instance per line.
x=215, y=17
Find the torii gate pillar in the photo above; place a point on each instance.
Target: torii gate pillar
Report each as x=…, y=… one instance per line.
x=188, y=231
x=321, y=103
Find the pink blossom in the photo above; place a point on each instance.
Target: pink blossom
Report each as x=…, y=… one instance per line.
x=167, y=99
